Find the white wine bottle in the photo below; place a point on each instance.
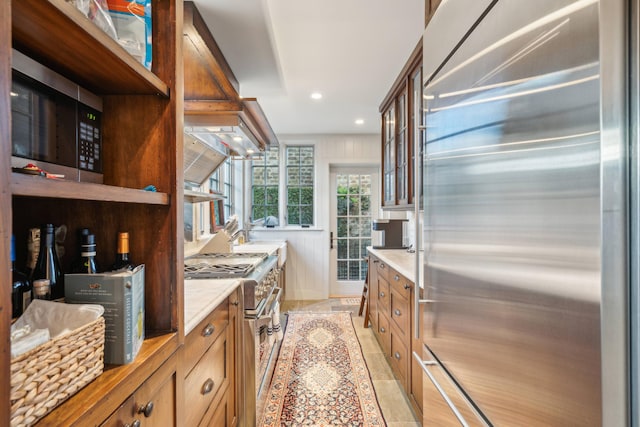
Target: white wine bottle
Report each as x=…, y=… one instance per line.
x=123, y=260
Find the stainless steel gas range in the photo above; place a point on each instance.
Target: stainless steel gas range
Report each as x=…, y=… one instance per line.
x=259, y=273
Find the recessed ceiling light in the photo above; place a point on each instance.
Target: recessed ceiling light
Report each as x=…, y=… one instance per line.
x=359, y=121
x=316, y=95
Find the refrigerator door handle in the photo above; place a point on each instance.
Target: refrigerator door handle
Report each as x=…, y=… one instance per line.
x=423, y=364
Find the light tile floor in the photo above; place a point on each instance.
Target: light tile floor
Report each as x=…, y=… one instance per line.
x=396, y=409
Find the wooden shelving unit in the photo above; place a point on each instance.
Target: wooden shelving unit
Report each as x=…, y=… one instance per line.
x=142, y=145
x=78, y=49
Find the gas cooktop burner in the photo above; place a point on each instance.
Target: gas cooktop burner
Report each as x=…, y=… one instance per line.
x=221, y=265
x=231, y=255
x=206, y=270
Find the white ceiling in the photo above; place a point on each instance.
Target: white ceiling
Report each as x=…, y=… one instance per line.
x=283, y=50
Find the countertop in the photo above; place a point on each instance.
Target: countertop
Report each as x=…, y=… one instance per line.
x=272, y=247
x=402, y=261
x=202, y=296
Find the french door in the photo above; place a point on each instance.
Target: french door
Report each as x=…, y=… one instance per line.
x=354, y=200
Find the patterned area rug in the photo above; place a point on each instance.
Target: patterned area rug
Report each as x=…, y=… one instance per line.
x=321, y=378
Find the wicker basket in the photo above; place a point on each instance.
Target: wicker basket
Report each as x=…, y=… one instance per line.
x=47, y=375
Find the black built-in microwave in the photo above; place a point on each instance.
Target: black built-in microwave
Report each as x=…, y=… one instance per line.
x=56, y=124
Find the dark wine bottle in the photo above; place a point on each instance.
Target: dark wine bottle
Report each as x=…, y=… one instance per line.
x=123, y=261
x=86, y=263
x=48, y=265
x=20, y=286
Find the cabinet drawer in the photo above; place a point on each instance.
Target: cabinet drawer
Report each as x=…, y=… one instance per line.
x=384, y=333
x=400, y=284
x=219, y=416
x=399, y=357
x=383, y=296
x=152, y=404
x=400, y=313
x=203, y=335
x=382, y=269
x=205, y=380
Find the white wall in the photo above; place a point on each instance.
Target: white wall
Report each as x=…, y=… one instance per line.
x=308, y=250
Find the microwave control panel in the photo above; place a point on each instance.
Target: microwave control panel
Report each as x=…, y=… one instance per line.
x=89, y=139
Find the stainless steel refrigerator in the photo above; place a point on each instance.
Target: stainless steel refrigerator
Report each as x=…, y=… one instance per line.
x=525, y=235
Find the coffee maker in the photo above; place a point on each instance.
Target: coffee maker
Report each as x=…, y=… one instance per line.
x=392, y=233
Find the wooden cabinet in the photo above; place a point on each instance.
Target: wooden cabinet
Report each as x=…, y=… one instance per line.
x=235, y=401
x=401, y=126
x=205, y=363
x=394, y=326
x=400, y=316
x=212, y=374
x=142, y=145
x=154, y=403
x=372, y=298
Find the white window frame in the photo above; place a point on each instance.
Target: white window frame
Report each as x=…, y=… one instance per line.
x=282, y=190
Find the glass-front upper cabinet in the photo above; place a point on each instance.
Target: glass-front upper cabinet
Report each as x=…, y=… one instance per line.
x=401, y=113
x=389, y=156
x=402, y=150
x=417, y=132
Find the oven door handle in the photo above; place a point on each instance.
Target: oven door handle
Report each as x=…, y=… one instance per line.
x=265, y=318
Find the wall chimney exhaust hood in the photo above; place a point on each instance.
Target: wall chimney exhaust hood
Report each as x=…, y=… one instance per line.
x=218, y=122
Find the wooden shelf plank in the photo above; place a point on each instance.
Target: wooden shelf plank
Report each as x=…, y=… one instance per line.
x=95, y=402
x=198, y=196
x=37, y=186
x=78, y=49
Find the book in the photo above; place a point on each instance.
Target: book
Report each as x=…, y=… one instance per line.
x=122, y=296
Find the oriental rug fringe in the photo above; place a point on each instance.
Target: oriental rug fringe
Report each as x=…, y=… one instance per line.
x=321, y=378
x=350, y=301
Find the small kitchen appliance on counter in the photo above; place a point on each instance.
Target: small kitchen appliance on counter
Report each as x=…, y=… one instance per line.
x=392, y=233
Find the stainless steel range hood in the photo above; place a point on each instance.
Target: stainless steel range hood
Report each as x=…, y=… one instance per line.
x=202, y=156
x=230, y=131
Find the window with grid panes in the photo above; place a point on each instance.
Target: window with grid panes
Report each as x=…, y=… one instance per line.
x=299, y=187
x=265, y=177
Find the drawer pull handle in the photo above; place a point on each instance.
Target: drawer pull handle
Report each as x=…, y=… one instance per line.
x=381, y=265
x=207, y=386
x=146, y=409
x=235, y=303
x=397, y=355
x=208, y=330
x=381, y=294
x=396, y=278
x=382, y=329
x=136, y=423
x=407, y=286
x=423, y=364
x=397, y=312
